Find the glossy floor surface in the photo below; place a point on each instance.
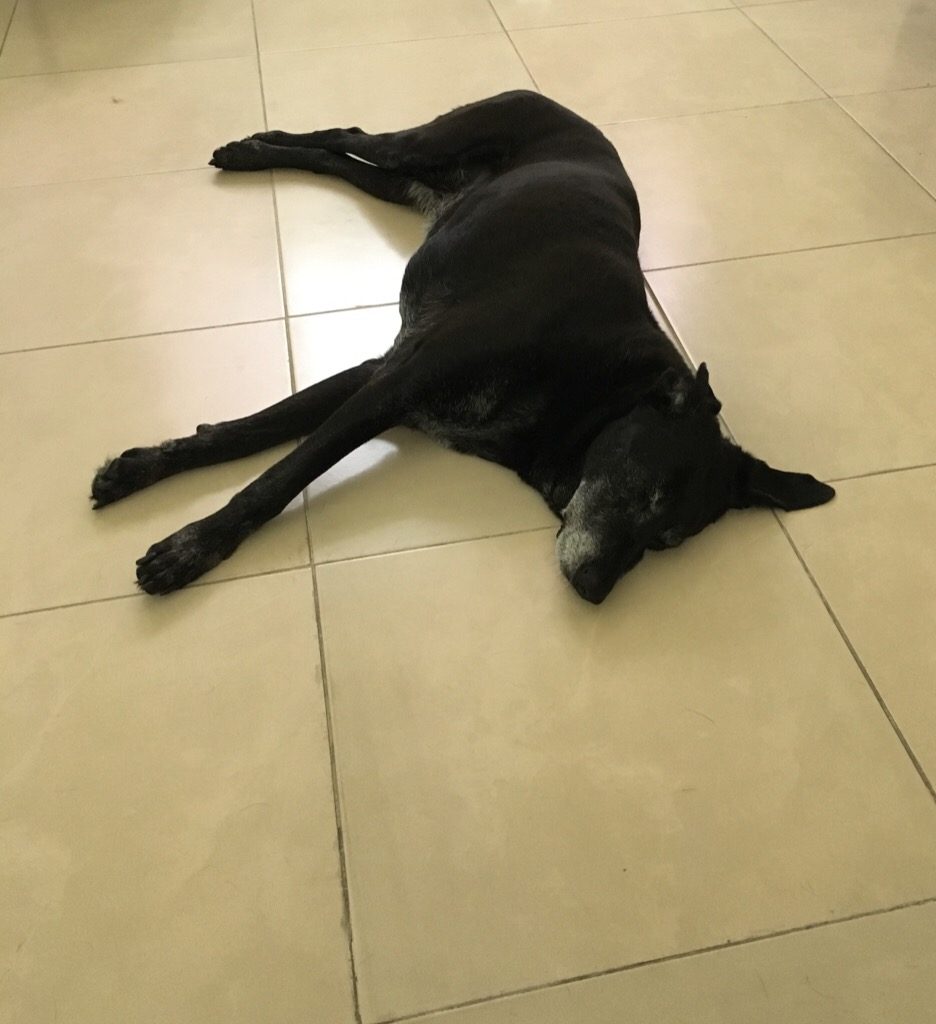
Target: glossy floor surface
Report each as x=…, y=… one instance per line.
x=383, y=764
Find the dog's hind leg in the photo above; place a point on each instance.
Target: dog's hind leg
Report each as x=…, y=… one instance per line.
x=480, y=133
x=255, y=155
x=292, y=418
x=198, y=547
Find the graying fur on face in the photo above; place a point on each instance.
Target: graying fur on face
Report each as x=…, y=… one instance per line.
x=578, y=540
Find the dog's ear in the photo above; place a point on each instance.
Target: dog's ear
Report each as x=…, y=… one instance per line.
x=756, y=483
x=701, y=395
x=678, y=392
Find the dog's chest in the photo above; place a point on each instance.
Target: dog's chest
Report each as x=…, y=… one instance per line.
x=482, y=420
x=430, y=203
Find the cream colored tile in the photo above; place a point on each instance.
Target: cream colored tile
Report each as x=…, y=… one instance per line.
x=611, y=71
x=875, y=969
x=160, y=252
x=537, y=13
x=65, y=409
x=89, y=124
x=903, y=122
x=809, y=352
x=309, y=24
x=400, y=490
x=341, y=248
x=167, y=831
x=62, y=35
x=744, y=182
x=874, y=556
x=535, y=788
x=856, y=45
x=387, y=87
x=6, y=13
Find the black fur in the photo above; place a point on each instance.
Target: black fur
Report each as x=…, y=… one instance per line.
x=526, y=339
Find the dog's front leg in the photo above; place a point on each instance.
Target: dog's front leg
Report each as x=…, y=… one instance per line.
x=187, y=554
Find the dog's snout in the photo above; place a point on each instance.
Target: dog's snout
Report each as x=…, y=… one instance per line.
x=591, y=583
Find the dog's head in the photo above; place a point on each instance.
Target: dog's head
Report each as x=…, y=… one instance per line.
x=659, y=475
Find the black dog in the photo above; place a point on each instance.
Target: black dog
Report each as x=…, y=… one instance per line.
x=526, y=339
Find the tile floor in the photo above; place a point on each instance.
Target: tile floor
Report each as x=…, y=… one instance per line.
x=383, y=765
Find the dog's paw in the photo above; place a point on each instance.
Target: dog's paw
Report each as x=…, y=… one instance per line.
x=246, y=155
x=179, y=559
x=135, y=469
x=273, y=138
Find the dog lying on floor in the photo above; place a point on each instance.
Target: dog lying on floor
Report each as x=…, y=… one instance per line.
x=526, y=339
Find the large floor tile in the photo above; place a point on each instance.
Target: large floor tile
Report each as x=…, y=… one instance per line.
x=400, y=490
x=309, y=24
x=903, y=122
x=167, y=830
x=387, y=87
x=539, y=13
x=611, y=71
x=809, y=352
x=851, y=46
x=65, y=35
x=880, y=968
x=65, y=409
x=89, y=124
x=341, y=247
x=534, y=788
x=874, y=556
x=743, y=182
x=137, y=255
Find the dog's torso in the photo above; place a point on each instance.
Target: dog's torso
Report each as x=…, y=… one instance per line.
x=525, y=324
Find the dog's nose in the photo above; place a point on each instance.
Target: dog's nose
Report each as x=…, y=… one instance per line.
x=591, y=583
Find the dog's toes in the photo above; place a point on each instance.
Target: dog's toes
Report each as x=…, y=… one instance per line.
x=274, y=138
x=178, y=560
x=135, y=469
x=245, y=155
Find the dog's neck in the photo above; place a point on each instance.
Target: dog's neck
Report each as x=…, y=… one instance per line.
x=556, y=470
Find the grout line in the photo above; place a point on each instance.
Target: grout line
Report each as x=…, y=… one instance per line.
x=381, y=42
x=343, y=309
x=882, y=472
x=326, y=693
x=139, y=595
x=773, y=42
x=861, y=666
x=9, y=25
x=434, y=546
x=668, y=325
x=873, y=92
x=333, y=762
x=121, y=67
x=770, y=3
x=655, y=961
x=510, y=39
x=716, y=111
x=106, y=177
x=188, y=330
x=883, y=148
x=627, y=17
x=786, y=252
x=136, y=337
